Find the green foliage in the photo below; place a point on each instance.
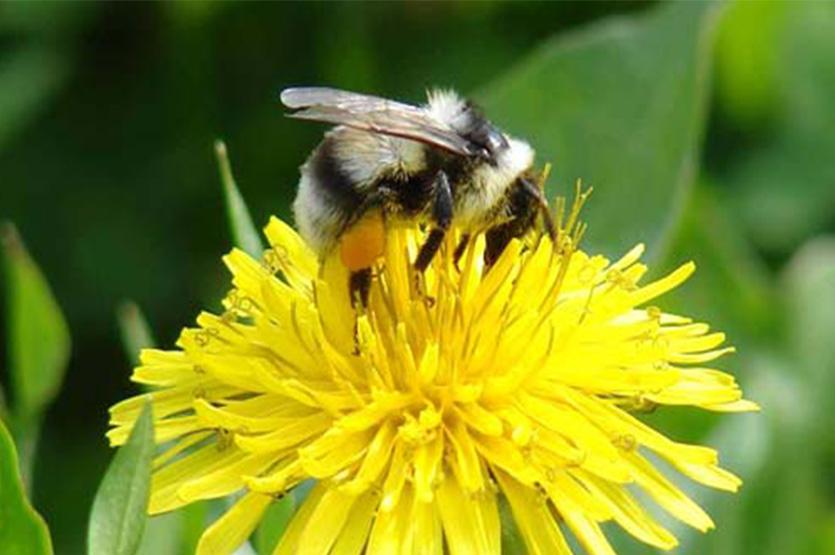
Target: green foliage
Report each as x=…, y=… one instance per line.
x=273, y=524
x=194, y=518
x=175, y=533
x=621, y=106
x=748, y=77
x=512, y=541
x=38, y=343
x=22, y=530
x=244, y=234
x=786, y=180
x=810, y=284
x=118, y=515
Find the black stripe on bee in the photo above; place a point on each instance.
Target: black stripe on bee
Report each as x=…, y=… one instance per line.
x=331, y=180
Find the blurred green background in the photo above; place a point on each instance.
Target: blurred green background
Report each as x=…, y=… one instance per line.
x=708, y=132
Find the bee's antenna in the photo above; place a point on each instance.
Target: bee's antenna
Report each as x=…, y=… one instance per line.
x=543, y=176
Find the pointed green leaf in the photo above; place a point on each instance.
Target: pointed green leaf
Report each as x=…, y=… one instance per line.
x=119, y=510
x=620, y=105
x=22, y=530
x=273, y=524
x=135, y=331
x=244, y=233
x=39, y=341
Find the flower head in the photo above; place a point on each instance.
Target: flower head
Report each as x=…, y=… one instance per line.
x=450, y=389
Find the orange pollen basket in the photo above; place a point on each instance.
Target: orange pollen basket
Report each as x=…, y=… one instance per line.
x=363, y=243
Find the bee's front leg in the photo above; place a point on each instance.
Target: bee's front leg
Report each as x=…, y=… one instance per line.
x=537, y=197
x=460, y=248
x=441, y=218
x=525, y=200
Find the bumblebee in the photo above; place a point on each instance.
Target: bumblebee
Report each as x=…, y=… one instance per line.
x=441, y=164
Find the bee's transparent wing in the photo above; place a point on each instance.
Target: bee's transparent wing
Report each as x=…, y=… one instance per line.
x=374, y=114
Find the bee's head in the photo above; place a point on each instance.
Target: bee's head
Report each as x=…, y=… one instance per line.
x=469, y=121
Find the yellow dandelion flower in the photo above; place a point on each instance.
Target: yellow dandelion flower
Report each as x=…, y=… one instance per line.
x=449, y=391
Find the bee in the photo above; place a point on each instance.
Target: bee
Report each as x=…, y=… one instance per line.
x=441, y=164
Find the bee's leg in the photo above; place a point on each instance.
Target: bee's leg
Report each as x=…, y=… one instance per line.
x=460, y=248
x=496, y=239
x=525, y=201
x=359, y=286
x=536, y=196
x=441, y=217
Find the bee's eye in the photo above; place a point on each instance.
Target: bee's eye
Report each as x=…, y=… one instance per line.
x=496, y=141
x=490, y=139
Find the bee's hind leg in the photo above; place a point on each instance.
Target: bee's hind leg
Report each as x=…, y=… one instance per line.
x=359, y=287
x=441, y=218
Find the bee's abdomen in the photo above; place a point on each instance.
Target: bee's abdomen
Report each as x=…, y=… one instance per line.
x=326, y=200
x=332, y=179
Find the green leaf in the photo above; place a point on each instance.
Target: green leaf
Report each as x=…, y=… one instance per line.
x=135, y=331
x=244, y=233
x=22, y=530
x=38, y=339
x=118, y=515
x=273, y=524
x=620, y=105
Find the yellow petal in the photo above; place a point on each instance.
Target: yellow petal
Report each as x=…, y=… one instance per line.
x=536, y=524
x=666, y=494
x=289, y=544
x=326, y=522
x=468, y=526
x=235, y=526
x=357, y=526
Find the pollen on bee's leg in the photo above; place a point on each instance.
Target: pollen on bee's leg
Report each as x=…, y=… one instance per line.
x=362, y=244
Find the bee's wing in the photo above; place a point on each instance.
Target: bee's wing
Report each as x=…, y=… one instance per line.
x=374, y=114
